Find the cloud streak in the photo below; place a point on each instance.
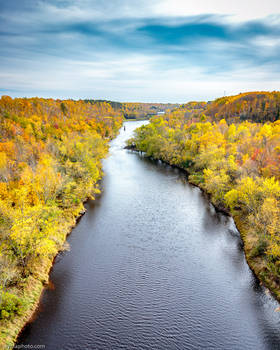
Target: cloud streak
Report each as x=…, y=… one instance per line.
x=118, y=50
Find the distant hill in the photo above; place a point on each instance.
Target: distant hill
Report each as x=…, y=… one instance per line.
x=259, y=106
x=256, y=106
x=138, y=110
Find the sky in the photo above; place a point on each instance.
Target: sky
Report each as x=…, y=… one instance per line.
x=138, y=50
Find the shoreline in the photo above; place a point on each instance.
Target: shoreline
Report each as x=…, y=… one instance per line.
x=32, y=290
x=52, y=162
x=14, y=328
x=238, y=223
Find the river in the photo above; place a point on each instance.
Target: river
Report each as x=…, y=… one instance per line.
x=152, y=265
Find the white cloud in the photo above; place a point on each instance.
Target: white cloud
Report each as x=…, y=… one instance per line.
x=238, y=10
x=133, y=78
x=99, y=11
x=267, y=42
x=48, y=59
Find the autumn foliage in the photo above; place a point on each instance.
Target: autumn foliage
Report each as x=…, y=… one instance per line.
x=260, y=106
x=50, y=162
x=138, y=110
x=238, y=164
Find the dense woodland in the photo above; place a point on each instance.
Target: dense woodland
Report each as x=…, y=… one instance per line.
x=50, y=162
x=237, y=162
x=254, y=106
x=136, y=110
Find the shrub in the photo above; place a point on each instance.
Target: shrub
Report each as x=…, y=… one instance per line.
x=259, y=249
x=11, y=305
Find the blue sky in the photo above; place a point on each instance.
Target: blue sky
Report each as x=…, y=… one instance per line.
x=127, y=50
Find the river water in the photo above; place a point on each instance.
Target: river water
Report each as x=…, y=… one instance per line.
x=153, y=266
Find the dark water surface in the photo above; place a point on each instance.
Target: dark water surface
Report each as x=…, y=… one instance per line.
x=153, y=266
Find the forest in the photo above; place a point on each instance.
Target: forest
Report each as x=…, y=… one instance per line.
x=138, y=110
x=236, y=162
x=51, y=155
x=50, y=163
x=258, y=106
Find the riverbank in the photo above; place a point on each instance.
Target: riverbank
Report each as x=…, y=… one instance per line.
x=32, y=289
x=51, y=155
x=151, y=254
x=220, y=208
x=255, y=264
x=136, y=120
